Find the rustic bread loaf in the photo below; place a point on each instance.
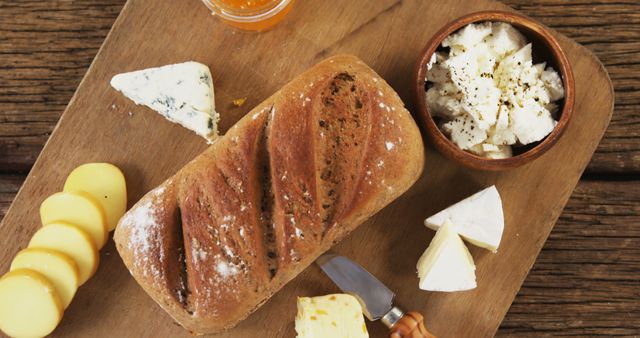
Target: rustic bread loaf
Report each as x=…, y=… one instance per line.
x=289, y=180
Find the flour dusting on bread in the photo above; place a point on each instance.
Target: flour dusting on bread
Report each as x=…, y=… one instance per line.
x=295, y=176
x=144, y=218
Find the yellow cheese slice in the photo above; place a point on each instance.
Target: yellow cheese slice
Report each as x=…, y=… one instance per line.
x=58, y=268
x=105, y=182
x=29, y=304
x=79, y=208
x=71, y=241
x=337, y=315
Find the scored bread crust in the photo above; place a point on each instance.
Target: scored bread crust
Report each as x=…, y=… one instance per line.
x=289, y=180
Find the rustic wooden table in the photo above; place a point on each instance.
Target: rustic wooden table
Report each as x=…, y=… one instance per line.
x=586, y=280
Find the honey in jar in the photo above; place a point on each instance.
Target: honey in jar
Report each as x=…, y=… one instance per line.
x=255, y=15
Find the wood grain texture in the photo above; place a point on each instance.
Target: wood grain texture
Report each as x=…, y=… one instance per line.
x=475, y=313
x=45, y=49
x=611, y=29
x=586, y=280
x=9, y=185
x=44, y=54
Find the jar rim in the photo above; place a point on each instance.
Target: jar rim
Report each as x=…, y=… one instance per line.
x=254, y=15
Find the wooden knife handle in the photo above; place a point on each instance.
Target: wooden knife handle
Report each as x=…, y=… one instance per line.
x=411, y=325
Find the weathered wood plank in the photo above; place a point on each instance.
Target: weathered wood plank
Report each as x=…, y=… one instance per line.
x=45, y=50
x=586, y=280
x=46, y=47
x=611, y=29
x=93, y=129
x=9, y=186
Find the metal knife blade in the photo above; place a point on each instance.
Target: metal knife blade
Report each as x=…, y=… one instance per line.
x=376, y=299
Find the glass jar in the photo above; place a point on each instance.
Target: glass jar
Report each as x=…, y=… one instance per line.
x=254, y=15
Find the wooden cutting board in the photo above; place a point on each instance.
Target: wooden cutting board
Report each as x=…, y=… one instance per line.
x=101, y=125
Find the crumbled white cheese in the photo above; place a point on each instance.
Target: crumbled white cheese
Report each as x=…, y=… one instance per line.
x=445, y=100
x=470, y=35
x=504, y=39
x=489, y=93
x=553, y=83
x=532, y=122
x=436, y=72
x=464, y=131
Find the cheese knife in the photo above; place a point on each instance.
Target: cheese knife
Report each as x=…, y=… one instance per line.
x=376, y=299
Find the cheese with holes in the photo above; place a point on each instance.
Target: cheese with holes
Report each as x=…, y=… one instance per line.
x=479, y=218
x=182, y=93
x=446, y=265
x=337, y=315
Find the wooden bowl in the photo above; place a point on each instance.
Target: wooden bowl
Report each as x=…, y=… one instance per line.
x=545, y=49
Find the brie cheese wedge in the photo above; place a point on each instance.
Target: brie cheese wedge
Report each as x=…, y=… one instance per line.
x=479, y=218
x=337, y=315
x=446, y=265
x=182, y=93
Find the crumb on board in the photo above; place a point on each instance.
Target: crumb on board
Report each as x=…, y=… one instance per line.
x=239, y=102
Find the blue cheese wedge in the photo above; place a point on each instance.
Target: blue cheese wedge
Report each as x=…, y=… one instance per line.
x=182, y=93
x=479, y=218
x=446, y=265
x=337, y=315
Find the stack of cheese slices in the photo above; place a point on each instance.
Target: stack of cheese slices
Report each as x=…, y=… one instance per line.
x=63, y=254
